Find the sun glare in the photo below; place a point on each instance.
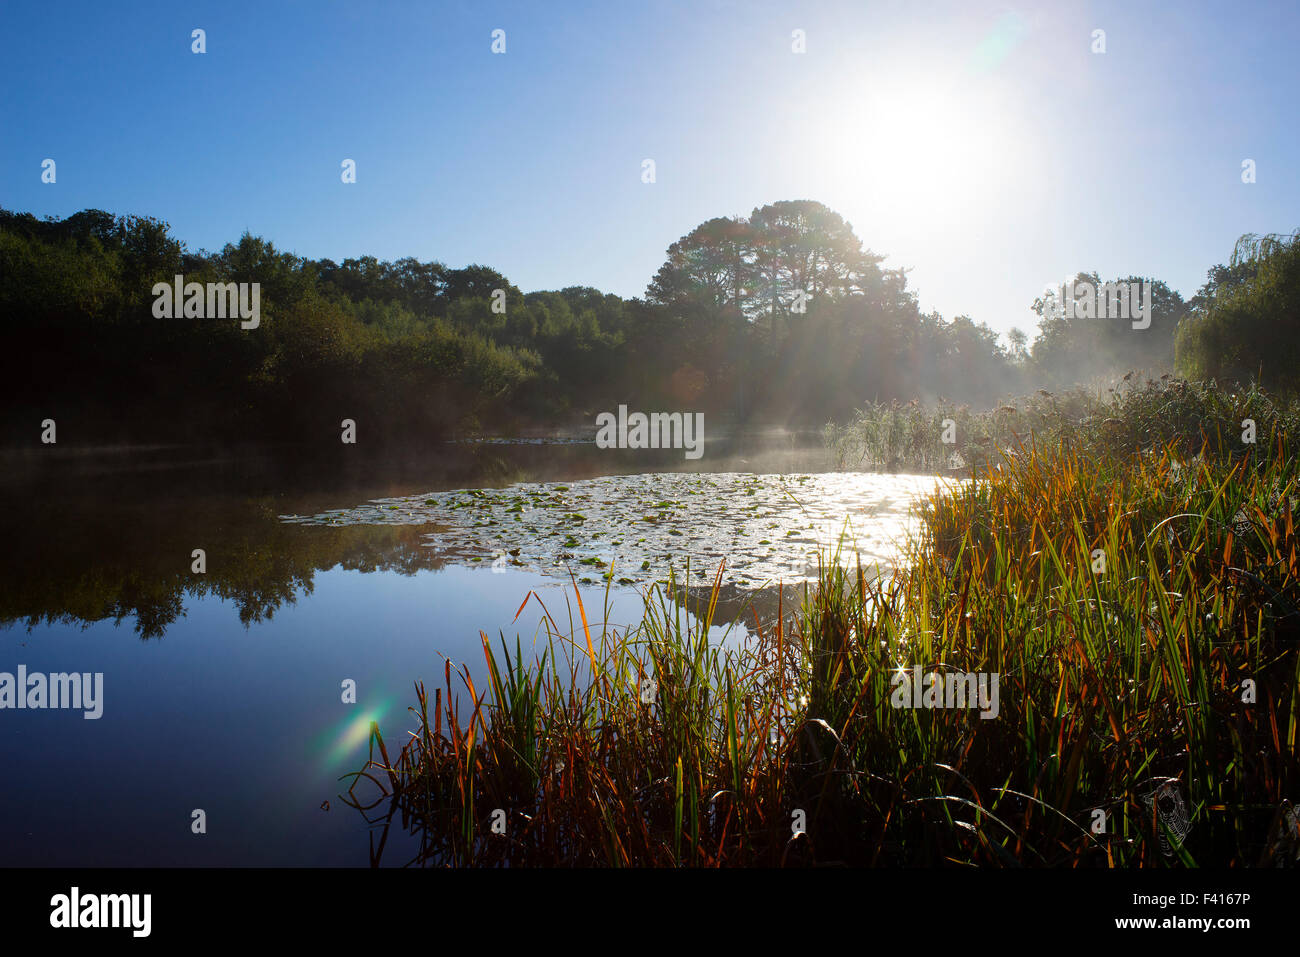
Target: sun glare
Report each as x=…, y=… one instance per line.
x=915, y=154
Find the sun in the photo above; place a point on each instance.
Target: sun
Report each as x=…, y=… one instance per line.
x=917, y=152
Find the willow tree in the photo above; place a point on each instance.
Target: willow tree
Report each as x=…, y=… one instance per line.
x=1246, y=321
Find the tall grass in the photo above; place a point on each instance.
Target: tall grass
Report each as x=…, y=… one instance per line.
x=1169, y=675
x=1131, y=416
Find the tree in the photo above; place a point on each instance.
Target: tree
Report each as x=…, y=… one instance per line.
x=1019, y=344
x=758, y=267
x=1073, y=348
x=1246, y=326
x=711, y=269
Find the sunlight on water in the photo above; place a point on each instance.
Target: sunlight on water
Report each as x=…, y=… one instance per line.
x=768, y=528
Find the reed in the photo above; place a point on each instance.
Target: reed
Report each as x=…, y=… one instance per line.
x=1126, y=416
x=1156, y=694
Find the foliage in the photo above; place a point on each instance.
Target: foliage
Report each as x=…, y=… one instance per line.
x=1169, y=669
x=1131, y=417
x=1247, y=318
x=781, y=318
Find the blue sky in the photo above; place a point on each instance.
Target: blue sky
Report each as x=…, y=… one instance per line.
x=983, y=145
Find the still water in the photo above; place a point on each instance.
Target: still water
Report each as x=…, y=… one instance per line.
x=222, y=689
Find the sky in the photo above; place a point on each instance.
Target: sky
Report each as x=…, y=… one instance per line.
x=984, y=146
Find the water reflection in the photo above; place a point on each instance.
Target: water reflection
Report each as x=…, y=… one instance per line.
x=237, y=710
x=111, y=536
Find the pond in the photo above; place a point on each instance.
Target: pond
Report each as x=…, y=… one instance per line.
x=228, y=601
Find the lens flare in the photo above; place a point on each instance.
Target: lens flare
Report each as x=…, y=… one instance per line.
x=345, y=741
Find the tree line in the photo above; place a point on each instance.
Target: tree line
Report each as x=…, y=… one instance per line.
x=780, y=318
